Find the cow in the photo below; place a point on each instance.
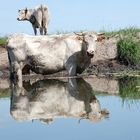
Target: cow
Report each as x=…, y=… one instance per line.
x=38, y=17
x=50, y=54
x=48, y=99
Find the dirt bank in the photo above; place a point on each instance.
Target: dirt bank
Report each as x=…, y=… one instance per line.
x=3, y=58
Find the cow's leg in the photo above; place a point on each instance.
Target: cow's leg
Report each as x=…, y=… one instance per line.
x=45, y=30
x=71, y=69
x=72, y=86
x=41, y=30
x=10, y=66
x=18, y=74
x=35, y=30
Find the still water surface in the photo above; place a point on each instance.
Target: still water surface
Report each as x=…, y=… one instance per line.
x=72, y=110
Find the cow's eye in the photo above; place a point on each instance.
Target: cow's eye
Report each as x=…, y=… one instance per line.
x=86, y=42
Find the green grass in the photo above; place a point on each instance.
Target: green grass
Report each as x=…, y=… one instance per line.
x=131, y=31
x=128, y=51
x=3, y=41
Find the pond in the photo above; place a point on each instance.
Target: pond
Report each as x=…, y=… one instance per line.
x=71, y=109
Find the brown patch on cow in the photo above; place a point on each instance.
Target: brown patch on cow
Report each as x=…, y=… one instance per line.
x=101, y=38
x=79, y=38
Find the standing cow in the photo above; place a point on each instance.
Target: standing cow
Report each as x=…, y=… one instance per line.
x=38, y=17
x=51, y=54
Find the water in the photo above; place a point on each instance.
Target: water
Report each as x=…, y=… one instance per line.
x=72, y=110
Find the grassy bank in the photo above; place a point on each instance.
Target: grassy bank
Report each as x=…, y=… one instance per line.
x=132, y=31
x=128, y=45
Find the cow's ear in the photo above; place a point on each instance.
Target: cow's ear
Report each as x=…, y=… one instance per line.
x=100, y=34
x=26, y=10
x=19, y=10
x=80, y=38
x=45, y=8
x=100, y=37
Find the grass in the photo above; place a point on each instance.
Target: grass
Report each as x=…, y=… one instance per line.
x=127, y=73
x=3, y=41
x=131, y=31
x=128, y=51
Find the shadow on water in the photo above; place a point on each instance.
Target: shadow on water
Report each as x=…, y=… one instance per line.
x=45, y=100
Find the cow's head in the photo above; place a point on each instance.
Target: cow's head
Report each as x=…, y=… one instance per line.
x=23, y=14
x=91, y=39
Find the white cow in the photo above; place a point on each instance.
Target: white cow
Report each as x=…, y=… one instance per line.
x=51, y=54
x=38, y=17
x=49, y=99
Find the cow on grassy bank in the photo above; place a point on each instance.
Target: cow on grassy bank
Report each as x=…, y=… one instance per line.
x=50, y=54
x=38, y=17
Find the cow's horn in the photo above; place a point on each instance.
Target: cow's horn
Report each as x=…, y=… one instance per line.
x=80, y=34
x=100, y=34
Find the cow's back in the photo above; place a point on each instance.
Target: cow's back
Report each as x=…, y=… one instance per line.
x=15, y=41
x=41, y=14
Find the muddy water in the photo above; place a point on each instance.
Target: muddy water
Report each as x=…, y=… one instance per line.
x=85, y=109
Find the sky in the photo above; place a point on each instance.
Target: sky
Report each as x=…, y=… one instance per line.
x=72, y=15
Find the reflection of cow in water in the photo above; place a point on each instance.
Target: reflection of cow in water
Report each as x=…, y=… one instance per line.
x=47, y=99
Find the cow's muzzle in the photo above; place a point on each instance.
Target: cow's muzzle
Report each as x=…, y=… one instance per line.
x=18, y=19
x=90, y=54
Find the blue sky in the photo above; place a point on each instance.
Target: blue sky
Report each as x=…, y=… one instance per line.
x=73, y=15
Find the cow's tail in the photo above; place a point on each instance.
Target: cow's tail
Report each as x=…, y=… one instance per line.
x=44, y=11
x=10, y=64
